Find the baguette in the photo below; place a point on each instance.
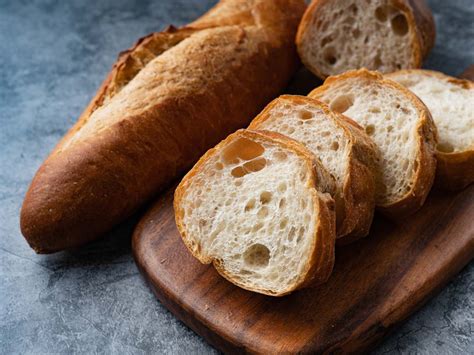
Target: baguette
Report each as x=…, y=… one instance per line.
x=384, y=35
x=401, y=126
x=166, y=100
x=451, y=103
x=259, y=207
x=345, y=151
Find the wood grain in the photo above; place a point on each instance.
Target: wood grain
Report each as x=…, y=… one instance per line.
x=377, y=282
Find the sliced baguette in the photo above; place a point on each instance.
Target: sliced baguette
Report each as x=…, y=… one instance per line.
x=259, y=207
x=451, y=103
x=344, y=149
x=384, y=35
x=400, y=125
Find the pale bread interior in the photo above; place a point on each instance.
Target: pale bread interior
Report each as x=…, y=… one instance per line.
x=250, y=208
x=391, y=119
x=350, y=34
x=450, y=104
x=310, y=125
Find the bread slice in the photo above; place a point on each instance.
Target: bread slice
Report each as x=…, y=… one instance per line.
x=400, y=125
x=345, y=150
x=384, y=35
x=451, y=103
x=259, y=207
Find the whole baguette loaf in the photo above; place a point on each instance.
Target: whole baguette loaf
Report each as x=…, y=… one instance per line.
x=259, y=207
x=451, y=103
x=384, y=35
x=166, y=100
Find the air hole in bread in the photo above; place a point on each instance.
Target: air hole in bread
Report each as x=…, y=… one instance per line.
x=291, y=234
x=255, y=165
x=238, y=183
x=262, y=212
x=280, y=156
x=381, y=13
x=300, y=235
x=370, y=129
x=238, y=172
x=374, y=110
x=251, y=166
x=326, y=40
x=219, y=166
x=445, y=147
x=330, y=55
x=405, y=164
x=250, y=205
x=282, y=203
x=400, y=25
x=265, y=197
x=257, y=255
x=242, y=149
x=303, y=203
x=349, y=20
x=389, y=128
x=282, y=187
x=355, y=33
x=283, y=223
x=353, y=8
x=334, y=145
x=257, y=227
x=305, y=115
x=342, y=103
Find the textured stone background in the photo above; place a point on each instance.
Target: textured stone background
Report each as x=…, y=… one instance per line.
x=53, y=56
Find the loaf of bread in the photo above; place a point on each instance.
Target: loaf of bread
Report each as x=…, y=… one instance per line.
x=451, y=103
x=344, y=149
x=337, y=35
x=166, y=100
x=401, y=126
x=259, y=207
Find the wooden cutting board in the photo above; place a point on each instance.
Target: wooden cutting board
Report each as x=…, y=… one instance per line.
x=377, y=282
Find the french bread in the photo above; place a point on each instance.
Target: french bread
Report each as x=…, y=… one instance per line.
x=344, y=149
x=385, y=35
x=401, y=126
x=166, y=100
x=451, y=103
x=259, y=207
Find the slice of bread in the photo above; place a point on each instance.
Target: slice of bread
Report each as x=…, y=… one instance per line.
x=259, y=207
x=384, y=35
x=345, y=150
x=451, y=103
x=400, y=125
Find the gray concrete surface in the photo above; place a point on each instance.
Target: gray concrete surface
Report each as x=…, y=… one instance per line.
x=53, y=56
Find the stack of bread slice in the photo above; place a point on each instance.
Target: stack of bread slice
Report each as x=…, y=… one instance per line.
x=267, y=204
x=343, y=148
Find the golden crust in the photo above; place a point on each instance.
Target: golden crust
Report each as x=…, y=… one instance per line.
x=321, y=262
x=84, y=189
x=420, y=23
x=454, y=170
x=426, y=144
x=355, y=209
